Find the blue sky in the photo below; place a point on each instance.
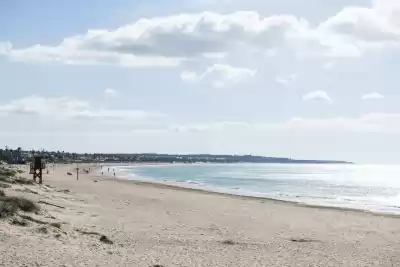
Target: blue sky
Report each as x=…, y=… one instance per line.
x=316, y=79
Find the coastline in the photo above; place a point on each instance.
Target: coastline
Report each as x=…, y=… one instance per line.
x=126, y=179
x=209, y=189
x=150, y=223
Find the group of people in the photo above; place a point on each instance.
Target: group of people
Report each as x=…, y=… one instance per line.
x=113, y=169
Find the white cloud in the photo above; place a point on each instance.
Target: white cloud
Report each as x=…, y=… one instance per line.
x=371, y=122
x=110, y=93
x=213, y=127
x=35, y=105
x=55, y=123
x=372, y=96
x=168, y=41
x=66, y=108
x=286, y=80
x=189, y=76
x=5, y=48
x=216, y=55
x=220, y=75
x=71, y=54
x=364, y=28
x=317, y=96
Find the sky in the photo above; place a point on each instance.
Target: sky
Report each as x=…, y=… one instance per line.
x=311, y=79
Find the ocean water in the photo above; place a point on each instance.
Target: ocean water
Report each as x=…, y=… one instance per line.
x=367, y=187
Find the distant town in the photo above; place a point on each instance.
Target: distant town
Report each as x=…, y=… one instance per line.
x=21, y=156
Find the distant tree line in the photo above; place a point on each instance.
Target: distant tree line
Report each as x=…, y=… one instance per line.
x=12, y=156
x=21, y=156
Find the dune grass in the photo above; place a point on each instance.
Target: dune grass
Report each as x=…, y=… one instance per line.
x=229, y=242
x=9, y=176
x=5, y=179
x=20, y=180
x=3, y=185
x=19, y=222
x=8, y=172
x=11, y=205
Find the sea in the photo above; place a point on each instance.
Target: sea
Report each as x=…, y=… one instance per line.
x=373, y=188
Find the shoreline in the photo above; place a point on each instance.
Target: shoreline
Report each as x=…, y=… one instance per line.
x=197, y=188
x=181, y=186
x=255, y=198
x=125, y=177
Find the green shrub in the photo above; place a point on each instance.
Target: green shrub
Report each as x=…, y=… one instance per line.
x=7, y=208
x=56, y=225
x=5, y=179
x=2, y=185
x=7, y=172
x=20, y=180
x=14, y=180
x=19, y=222
x=13, y=204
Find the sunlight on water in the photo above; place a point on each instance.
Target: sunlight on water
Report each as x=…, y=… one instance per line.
x=370, y=187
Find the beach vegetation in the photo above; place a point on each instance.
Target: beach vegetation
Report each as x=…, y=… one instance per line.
x=3, y=185
x=103, y=238
x=19, y=222
x=21, y=180
x=7, y=172
x=8, y=175
x=228, y=242
x=11, y=205
x=302, y=240
x=56, y=225
x=43, y=230
x=106, y=240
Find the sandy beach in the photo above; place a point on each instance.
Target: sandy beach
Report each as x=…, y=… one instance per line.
x=157, y=225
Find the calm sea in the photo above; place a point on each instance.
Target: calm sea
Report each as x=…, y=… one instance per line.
x=368, y=187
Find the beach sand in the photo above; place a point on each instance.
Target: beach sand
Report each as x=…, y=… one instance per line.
x=152, y=224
